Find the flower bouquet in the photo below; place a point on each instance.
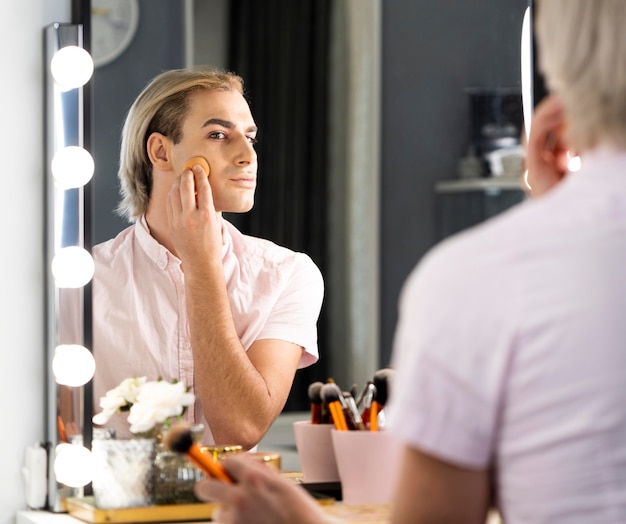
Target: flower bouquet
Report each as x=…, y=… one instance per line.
x=166, y=478
x=151, y=405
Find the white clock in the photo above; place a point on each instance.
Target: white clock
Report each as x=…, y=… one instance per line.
x=113, y=26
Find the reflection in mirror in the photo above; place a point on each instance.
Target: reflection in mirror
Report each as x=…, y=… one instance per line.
x=429, y=56
x=318, y=150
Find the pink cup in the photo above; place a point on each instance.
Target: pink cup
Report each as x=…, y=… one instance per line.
x=368, y=464
x=315, y=451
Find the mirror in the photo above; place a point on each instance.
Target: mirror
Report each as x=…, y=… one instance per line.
x=399, y=74
x=200, y=33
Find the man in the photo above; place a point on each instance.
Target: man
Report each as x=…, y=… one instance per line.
x=182, y=294
x=510, y=348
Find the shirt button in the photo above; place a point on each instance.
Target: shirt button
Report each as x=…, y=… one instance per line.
x=186, y=345
x=162, y=264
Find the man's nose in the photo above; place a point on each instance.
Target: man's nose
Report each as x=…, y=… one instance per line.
x=245, y=152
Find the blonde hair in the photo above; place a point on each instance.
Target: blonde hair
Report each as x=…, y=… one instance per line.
x=582, y=53
x=160, y=107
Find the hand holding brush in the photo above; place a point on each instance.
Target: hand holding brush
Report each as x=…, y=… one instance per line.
x=180, y=439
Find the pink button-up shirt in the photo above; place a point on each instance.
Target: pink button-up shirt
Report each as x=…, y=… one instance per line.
x=511, y=351
x=140, y=322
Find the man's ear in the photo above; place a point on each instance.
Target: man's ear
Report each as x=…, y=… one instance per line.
x=159, y=151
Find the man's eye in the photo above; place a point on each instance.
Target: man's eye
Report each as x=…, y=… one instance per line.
x=253, y=140
x=217, y=134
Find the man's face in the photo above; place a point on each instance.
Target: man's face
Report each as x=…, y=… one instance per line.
x=219, y=126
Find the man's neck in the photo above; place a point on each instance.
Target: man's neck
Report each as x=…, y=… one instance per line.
x=159, y=229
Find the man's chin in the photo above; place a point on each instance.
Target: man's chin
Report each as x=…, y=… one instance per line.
x=239, y=208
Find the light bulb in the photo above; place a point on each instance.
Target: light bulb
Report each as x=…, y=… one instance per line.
x=72, y=167
x=72, y=267
x=71, y=67
x=73, y=465
x=73, y=365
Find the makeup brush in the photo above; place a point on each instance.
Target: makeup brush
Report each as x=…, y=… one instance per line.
x=353, y=417
x=382, y=380
x=354, y=391
x=315, y=398
x=368, y=396
x=180, y=439
x=332, y=397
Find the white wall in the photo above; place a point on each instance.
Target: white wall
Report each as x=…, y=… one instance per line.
x=21, y=223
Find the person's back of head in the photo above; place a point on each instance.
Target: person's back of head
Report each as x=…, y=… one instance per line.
x=161, y=107
x=582, y=53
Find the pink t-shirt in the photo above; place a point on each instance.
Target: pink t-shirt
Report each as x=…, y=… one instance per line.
x=511, y=351
x=140, y=323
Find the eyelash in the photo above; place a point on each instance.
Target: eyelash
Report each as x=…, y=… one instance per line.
x=252, y=139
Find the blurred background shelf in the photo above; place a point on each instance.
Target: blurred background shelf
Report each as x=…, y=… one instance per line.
x=463, y=203
x=493, y=184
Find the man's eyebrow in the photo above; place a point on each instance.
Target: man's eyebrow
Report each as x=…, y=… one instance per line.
x=226, y=123
x=219, y=122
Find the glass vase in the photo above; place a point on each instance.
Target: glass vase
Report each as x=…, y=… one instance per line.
x=123, y=472
x=174, y=475
x=174, y=478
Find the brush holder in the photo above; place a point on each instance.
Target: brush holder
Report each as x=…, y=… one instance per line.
x=368, y=463
x=315, y=451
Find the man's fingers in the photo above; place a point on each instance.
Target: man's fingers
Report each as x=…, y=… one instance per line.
x=187, y=190
x=210, y=490
x=203, y=192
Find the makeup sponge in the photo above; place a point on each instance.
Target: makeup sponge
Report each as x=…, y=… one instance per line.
x=198, y=160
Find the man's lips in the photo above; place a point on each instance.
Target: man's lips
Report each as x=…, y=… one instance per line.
x=247, y=181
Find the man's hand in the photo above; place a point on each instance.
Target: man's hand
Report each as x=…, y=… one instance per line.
x=258, y=496
x=195, y=226
x=546, y=153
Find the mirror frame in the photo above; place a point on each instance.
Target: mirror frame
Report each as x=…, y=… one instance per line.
x=67, y=222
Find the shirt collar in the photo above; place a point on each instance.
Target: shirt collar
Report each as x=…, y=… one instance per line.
x=155, y=251
x=159, y=254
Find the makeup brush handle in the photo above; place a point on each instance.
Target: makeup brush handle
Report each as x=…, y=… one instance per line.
x=374, y=416
x=316, y=413
x=207, y=464
x=339, y=418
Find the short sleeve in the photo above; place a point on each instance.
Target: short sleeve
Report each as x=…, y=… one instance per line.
x=451, y=349
x=295, y=314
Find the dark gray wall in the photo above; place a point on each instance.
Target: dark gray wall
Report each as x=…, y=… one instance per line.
x=431, y=52
x=157, y=46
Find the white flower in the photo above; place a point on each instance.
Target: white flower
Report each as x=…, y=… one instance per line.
x=151, y=403
x=157, y=402
x=119, y=398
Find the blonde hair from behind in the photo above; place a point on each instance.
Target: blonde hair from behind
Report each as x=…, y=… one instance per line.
x=582, y=53
x=160, y=107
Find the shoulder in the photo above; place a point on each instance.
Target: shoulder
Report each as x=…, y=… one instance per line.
x=271, y=255
x=105, y=252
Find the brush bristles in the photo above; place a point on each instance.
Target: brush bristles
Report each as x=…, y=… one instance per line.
x=315, y=392
x=382, y=380
x=331, y=393
x=179, y=438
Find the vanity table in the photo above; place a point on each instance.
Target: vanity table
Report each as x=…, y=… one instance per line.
x=347, y=514
x=379, y=514
x=44, y=517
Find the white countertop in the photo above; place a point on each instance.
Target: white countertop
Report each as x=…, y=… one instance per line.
x=45, y=517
